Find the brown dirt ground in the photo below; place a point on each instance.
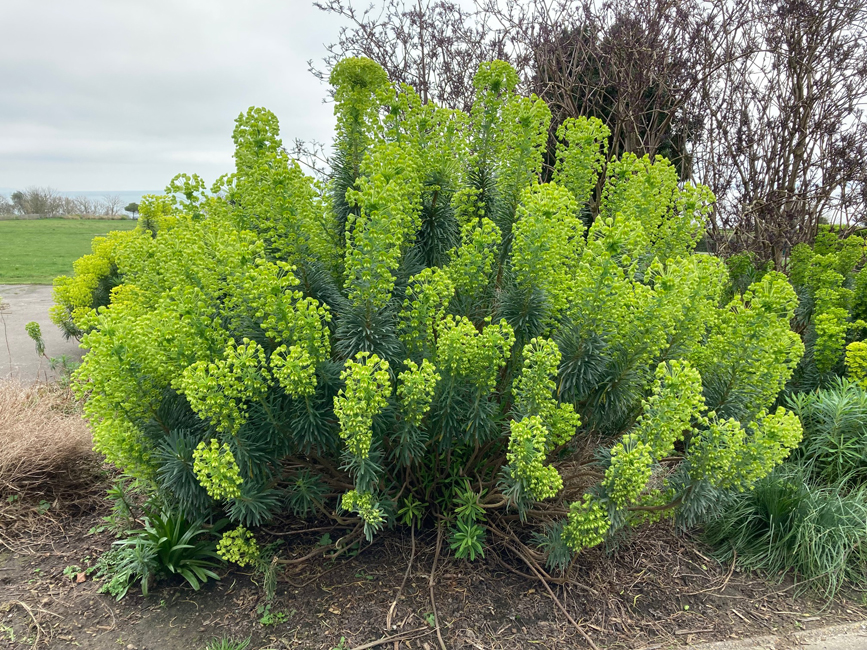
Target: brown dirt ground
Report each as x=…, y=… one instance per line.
x=658, y=590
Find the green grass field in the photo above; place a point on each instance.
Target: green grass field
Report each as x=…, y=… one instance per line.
x=37, y=251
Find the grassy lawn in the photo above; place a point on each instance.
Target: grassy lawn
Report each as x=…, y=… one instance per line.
x=37, y=251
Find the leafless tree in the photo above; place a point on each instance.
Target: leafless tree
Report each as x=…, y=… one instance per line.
x=636, y=64
x=6, y=206
x=84, y=205
x=786, y=141
x=434, y=46
x=43, y=201
x=111, y=205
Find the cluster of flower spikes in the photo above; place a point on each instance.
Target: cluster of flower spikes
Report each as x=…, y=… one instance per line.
x=528, y=449
x=582, y=145
x=544, y=423
x=729, y=457
x=220, y=390
x=294, y=369
x=475, y=356
x=494, y=84
x=415, y=389
x=239, y=545
x=823, y=273
x=388, y=201
x=856, y=362
x=366, y=393
x=535, y=388
x=675, y=402
x=750, y=343
x=473, y=264
x=519, y=151
x=216, y=470
x=646, y=192
x=360, y=89
x=74, y=296
x=721, y=452
x=641, y=304
x=366, y=507
x=186, y=290
x=548, y=242
x=586, y=524
x=427, y=299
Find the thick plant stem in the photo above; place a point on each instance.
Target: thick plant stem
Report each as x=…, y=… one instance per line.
x=402, y=584
x=433, y=603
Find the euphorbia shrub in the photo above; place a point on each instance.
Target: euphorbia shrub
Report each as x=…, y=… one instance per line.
x=831, y=284
x=431, y=334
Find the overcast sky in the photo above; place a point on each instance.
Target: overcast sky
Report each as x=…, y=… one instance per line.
x=124, y=94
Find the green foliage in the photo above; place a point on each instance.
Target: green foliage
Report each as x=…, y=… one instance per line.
x=227, y=643
x=35, y=334
x=216, y=470
x=809, y=516
x=168, y=544
x=411, y=512
x=856, y=362
x=268, y=617
x=239, y=546
x=71, y=572
x=431, y=325
x=831, y=314
x=834, y=450
x=787, y=522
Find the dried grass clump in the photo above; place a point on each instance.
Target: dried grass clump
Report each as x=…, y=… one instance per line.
x=45, y=445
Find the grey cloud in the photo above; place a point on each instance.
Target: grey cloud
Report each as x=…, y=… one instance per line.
x=123, y=94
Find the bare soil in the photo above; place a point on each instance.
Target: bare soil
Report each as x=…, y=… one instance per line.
x=657, y=590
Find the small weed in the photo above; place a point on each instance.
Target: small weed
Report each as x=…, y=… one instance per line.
x=8, y=632
x=341, y=645
x=71, y=571
x=12, y=498
x=228, y=644
x=353, y=550
x=325, y=540
x=267, y=617
x=43, y=507
x=431, y=619
x=363, y=574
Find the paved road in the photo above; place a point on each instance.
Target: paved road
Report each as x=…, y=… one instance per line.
x=852, y=636
x=18, y=358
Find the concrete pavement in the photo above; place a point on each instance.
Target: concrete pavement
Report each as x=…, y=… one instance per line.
x=851, y=636
x=18, y=358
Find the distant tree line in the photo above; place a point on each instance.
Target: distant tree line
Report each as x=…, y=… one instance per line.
x=761, y=100
x=47, y=202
